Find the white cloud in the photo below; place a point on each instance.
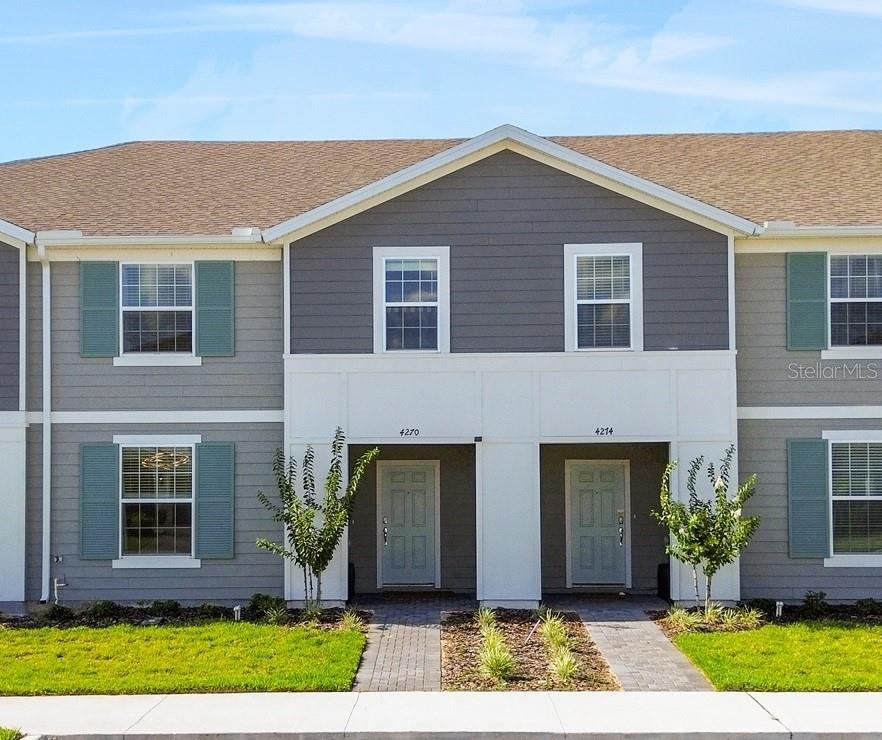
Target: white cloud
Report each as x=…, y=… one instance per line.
x=852, y=7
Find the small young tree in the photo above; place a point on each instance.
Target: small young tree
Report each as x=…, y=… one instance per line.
x=313, y=528
x=707, y=534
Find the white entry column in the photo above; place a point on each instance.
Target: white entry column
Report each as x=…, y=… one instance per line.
x=12, y=504
x=509, y=555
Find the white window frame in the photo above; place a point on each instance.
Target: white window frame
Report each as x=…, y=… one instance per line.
x=633, y=250
x=380, y=256
x=846, y=560
x=844, y=352
x=157, y=359
x=131, y=561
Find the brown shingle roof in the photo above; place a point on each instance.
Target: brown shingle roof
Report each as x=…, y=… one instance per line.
x=177, y=187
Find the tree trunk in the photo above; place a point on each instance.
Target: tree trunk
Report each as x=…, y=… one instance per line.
x=305, y=588
x=695, y=584
x=708, y=601
x=318, y=593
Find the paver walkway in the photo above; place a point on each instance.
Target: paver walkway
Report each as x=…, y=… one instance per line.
x=403, y=652
x=638, y=652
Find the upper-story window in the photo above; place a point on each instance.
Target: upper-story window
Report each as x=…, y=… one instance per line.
x=411, y=299
x=856, y=478
x=603, y=288
x=855, y=300
x=157, y=308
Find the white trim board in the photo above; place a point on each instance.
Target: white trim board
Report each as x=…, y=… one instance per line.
x=259, y=416
x=772, y=413
x=156, y=440
x=15, y=233
x=436, y=468
x=522, y=142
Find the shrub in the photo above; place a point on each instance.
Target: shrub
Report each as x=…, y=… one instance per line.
x=869, y=607
x=349, y=620
x=59, y=613
x=276, y=614
x=714, y=613
x=814, y=602
x=563, y=664
x=683, y=620
x=495, y=658
x=103, y=610
x=766, y=606
x=554, y=630
x=259, y=603
x=166, y=608
x=486, y=620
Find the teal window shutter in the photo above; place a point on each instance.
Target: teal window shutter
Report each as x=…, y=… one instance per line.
x=99, y=501
x=808, y=503
x=215, y=309
x=215, y=499
x=807, y=300
x=99, y=309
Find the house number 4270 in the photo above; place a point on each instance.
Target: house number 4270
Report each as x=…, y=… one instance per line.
x=409, y=433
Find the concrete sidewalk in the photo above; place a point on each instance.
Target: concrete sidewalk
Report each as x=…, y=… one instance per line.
x=608, y=715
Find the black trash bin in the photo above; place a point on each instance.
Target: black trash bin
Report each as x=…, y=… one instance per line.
x=663, y=575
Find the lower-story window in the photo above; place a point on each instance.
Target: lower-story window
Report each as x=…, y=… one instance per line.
x=157, y=500
x=856, y=479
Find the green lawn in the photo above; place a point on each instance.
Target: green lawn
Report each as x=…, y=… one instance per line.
x=215, y=657
x=807, y=656
x=7, y=734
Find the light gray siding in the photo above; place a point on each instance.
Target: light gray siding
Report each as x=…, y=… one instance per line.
x=457, y=496
x=647, y=463
x=217, y=580
x=252, y=379
x=10, y=292
x=767, y=571
x=34, y=512
x=506, y=220
x=769, y=374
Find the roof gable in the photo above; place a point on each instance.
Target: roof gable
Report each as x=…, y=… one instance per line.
x=522, y=142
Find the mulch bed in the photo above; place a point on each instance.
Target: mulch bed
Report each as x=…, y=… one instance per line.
x=139, y=615
x=461, y=641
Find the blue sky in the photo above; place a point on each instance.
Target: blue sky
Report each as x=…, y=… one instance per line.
x=83, y=74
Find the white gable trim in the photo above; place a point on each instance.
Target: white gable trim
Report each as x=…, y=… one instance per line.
x=522, y=142
x=15, y=234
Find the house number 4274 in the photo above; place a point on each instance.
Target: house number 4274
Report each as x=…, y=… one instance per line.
x=603, y=431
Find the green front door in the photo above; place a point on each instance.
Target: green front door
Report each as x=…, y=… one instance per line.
x=407, y=524
x=597, y=522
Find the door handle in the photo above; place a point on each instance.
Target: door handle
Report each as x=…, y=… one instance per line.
x=621, y=536
x=385, y=536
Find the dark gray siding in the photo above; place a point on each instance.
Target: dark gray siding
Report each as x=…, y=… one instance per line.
x=647, y=537
x=252, y=379
x=35, y=337
x=34, y=512
x=217, y=580
x=506, y=220
x=767, y=571
x=769, y=374
x=10, y=292
x=457, y=495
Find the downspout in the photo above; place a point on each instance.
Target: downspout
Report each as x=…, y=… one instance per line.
x=47, y=424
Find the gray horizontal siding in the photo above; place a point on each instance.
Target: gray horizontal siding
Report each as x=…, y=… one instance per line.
x=35, y=337
x=10, y=292
x=506, y=220
x=765, y=372
x=34, y=512
x=252, y=379
x=766, y=569
x=250, y=571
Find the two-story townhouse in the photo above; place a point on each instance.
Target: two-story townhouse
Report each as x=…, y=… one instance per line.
x=529, y=328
